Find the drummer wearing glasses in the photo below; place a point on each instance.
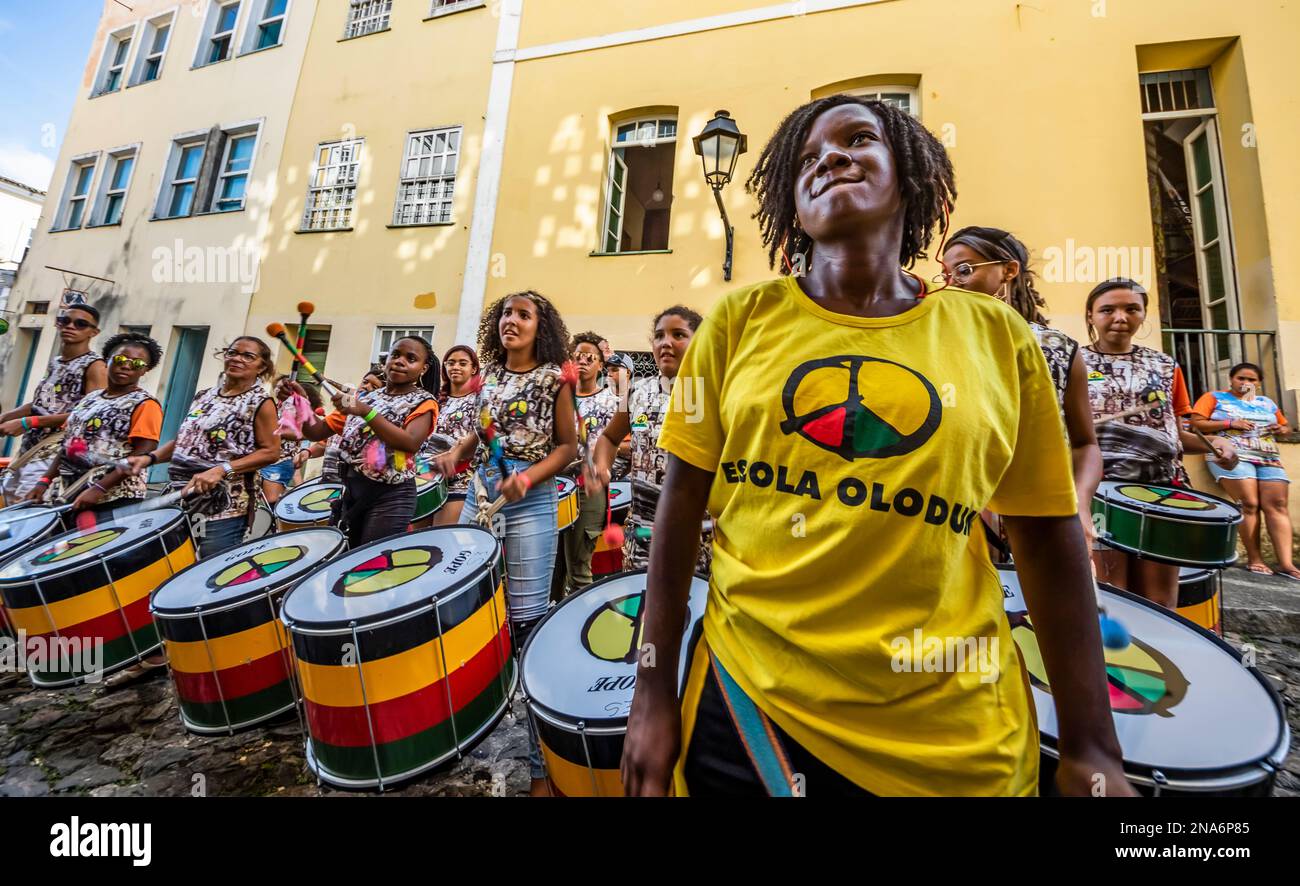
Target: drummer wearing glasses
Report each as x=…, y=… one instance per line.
x=76, y=372
x=843, y=488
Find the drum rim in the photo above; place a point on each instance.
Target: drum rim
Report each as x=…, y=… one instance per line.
x=400, y=614
x=1167, y=560
x=46, y=532
x=68, y=570
x=235, y=603
x=1142, y=507
x=275, y=511
x=602, y=725
x=1265, y=762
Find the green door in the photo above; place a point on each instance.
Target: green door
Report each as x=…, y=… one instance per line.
x=181, y=384
x=35, y=337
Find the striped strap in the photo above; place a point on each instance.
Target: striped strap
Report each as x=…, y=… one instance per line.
x=757, y=735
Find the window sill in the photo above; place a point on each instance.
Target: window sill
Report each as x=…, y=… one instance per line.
x=630, y=252
x=210, y=64
x=216, y=212
x=443, y=13
x=323, y=231
x=116, y=224
x=95, y=95
x=163, y=218
x=62, y=230
x=143, y=83
x=366, y=34
x=249, y=52
x=446, y=224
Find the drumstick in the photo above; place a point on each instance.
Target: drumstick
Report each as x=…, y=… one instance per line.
x=1155, y=397
x=277, y=330
x=1202, y=438
x=305, y=310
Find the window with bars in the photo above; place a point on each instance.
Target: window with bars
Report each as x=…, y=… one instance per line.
x=386, y=335
x=157, y=37
x=1187, y=90
x=901, y=97
x=117, y=180
x=441, y=6
x=332, y=189
x=72, y=214
x=367, y=17
x=428, y=178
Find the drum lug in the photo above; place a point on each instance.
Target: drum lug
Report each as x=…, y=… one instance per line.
x=1161, y=782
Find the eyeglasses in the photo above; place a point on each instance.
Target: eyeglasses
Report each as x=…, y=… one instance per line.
x=133, y=362
x=63, y=321
x=241, y=356
x=962, y=272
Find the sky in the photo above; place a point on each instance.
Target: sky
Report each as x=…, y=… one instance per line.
x=43, y=49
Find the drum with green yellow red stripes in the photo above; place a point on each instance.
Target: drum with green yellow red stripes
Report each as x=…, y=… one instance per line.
x=579, y=672
x=20, y=528
x=1166, y=524
x=229, y=654
x=84, y=595
x=403, y=654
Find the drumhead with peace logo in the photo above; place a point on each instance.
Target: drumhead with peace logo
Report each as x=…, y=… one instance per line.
x=403, y=654
x=1190, y=717
x=308, y=505
x=579, y=672
x=1171, y=525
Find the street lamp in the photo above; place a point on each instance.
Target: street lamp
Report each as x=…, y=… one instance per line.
x=719, y=144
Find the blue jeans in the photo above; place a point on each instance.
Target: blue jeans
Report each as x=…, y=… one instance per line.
x=220, y=536
x=1248, y=471
x=281, y=472
x=530, y=541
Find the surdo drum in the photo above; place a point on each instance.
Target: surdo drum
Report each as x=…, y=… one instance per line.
x=1191, y=718
x=1200, y=597
x=566, y=508
x=579, y=671
x=430, y=496
x=21, y=529
x=229, y=653
x=1179, y=526
x=90, y=587
x=307, y=506
x=403, y=654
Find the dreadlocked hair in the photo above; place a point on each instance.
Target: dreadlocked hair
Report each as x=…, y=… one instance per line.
x=926, y=182
x=139, y=339
x=551, y=345
x=995, y=244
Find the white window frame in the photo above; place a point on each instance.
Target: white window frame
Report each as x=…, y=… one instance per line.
x=258, y=19
x=637, y=139
x=378, y=354
x=444, y=182
x=146, y=52
x=167, y=185
x=246, y=130
x=882, y=93
x=107, y=64
x=69, y=196
x=113, y=159
x=447, y=7
x=209, y=33
x=377, y=11
x=311, y=206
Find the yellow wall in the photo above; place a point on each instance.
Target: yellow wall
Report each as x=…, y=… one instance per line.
x=1039, y=103
x=259, y=85
x=418, y=75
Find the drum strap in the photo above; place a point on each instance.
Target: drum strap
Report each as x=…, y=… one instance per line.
x=757, y=735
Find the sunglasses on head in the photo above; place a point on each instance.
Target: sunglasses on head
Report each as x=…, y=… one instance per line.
x=133, y=362
x=63, y=321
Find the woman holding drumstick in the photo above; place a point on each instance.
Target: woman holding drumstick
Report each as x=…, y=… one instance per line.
x=1138, y=396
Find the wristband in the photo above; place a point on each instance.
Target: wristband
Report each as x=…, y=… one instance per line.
x=26, y=425
x=153, y=457
x=523, y=478
x=44, y=481
x=227, y=467
x=35, y=420
x=374, y=413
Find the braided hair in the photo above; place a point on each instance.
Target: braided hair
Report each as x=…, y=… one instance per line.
x=926, y=181
x=551, y=345
x=995, y=244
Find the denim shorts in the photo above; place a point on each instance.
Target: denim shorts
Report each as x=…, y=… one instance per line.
x=1248, y=471
x=281, y=472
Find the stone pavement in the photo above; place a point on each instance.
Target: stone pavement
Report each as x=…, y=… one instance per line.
x=131, y=742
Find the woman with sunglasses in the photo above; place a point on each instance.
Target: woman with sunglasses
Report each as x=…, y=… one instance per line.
x=229, y=433
x=1138, y=398
x=992, y=261
x=76, y=372
x=109, y=425
x=845, y=426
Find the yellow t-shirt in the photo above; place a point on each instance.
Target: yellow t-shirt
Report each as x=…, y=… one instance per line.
x=852, y=457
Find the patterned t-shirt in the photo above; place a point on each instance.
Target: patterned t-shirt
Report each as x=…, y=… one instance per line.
x=1059, y=349
x=647, y=407
x=107, y=426
x=220, y=429
x=595, y=412
x=362, y=449
x=63, y=386
x=1255, y=446
x=457, y=418
x=1143, y=448
x=523, y=406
